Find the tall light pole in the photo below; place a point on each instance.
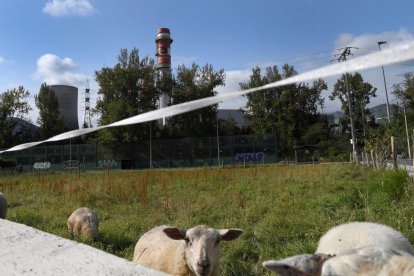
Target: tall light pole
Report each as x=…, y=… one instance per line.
x=385, y=83
x=394, y=156
x=218, y=141
x=140, y=85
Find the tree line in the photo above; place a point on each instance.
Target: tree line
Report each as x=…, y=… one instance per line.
x=292, y=112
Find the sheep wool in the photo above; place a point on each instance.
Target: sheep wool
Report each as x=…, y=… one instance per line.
x=193, y=251
x=83, y=223
x=153, y=248
x=361, y=234
x=398, y=266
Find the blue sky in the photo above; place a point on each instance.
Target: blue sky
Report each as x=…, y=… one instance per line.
x=66, y=41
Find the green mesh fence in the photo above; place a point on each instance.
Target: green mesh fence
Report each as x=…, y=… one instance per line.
x=167, y=153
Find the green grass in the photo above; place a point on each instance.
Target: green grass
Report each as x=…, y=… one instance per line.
x=283, y=210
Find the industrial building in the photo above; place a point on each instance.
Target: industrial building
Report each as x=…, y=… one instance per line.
x=67, y=97
x=234, y=115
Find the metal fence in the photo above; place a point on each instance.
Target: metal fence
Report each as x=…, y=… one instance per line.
x=167, y=153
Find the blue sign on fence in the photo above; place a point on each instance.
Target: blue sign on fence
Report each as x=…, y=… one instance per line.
x=249, y=157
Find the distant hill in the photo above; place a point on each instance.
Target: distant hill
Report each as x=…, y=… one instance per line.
x=25, y=124
x=379, y=112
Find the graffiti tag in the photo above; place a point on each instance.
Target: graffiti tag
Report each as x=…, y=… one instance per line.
x=249, y=157
x=41, y=165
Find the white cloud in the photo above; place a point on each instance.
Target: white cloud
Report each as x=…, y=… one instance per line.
x=2, y=60
x=368, y=43
x=233, y=78
x=55, y=70
x=62, y=71
x=68, y=7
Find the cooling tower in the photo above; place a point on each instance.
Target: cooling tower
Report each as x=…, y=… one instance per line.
x=68, y=104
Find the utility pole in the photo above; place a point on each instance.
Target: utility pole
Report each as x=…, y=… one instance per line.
x=342, y=57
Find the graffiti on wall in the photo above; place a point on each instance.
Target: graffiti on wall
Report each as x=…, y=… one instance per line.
x=71, y=164
x=249, y=157
x=41, y=165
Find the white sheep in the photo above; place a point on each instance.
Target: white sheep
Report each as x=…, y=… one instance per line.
x=83, y=223
x=357, y=248
x=398, y=266
x=300, y=265
x=193, y=251
x=3, y=206
x=361, y=234
x=370, y=260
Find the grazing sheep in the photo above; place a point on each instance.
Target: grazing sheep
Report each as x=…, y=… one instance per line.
x=83, y=223
x=361, y=234
x=194, y=251
x=3, y=206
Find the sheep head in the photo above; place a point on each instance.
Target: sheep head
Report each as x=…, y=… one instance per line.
x=300, y=265
x=202, y=250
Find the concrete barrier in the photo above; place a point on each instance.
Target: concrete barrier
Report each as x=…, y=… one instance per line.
x=27, y=251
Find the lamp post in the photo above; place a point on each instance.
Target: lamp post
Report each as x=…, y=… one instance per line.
x=385, y=83
x=218, y=141
x=394, y=156
x=140, y=85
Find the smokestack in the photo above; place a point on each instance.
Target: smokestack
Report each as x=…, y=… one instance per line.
x=163, y=42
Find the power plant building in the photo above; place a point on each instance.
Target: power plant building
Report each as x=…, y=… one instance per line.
x=67, y=97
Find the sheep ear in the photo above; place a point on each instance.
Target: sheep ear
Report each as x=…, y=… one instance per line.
x=230, y=234
x=175, y=233
x=300, y=265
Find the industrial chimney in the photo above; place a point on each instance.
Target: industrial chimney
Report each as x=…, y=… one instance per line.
x=163, y=42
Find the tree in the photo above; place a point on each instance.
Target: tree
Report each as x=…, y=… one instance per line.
x=50, y=119
x=361, y=92
x=405, y=91
x=405, y=94
x=191, y=84
x=260, y=105
x=13, y=111
x=126, y=90
x=291, y=112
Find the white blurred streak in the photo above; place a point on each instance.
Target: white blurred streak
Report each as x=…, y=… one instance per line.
x=399, y=53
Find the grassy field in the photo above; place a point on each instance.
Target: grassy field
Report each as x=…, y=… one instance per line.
x=283, y=210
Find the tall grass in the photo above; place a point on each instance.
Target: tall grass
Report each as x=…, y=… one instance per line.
x=283, y=210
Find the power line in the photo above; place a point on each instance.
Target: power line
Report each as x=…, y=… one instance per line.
x=346, y=51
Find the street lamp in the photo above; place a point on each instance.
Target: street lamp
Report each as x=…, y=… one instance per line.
x=140, y=85
x=385, y=83
x=394, y=156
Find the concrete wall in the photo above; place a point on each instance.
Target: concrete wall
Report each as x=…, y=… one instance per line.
x=28, y=251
